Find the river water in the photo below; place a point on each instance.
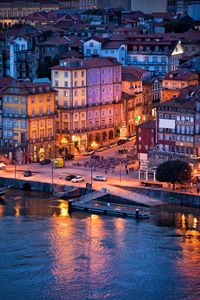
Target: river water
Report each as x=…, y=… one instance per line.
x=47, y=254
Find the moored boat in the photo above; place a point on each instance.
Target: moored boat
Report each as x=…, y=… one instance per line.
x=4, y=190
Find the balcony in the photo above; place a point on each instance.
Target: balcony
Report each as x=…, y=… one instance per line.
x=45, y=139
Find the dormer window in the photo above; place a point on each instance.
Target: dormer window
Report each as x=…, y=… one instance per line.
x=47, y=88
x=156, y=48
x=33, y=90
x=40, y=89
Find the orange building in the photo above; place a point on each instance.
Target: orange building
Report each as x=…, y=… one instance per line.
x=174, y=81
x=29, y=120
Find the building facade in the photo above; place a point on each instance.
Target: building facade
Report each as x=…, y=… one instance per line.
x=88, y=101
x=174, y=81
x=176, y=126
x=28, y=113
x=145, y=136
x=153, y=53
x=12, y=12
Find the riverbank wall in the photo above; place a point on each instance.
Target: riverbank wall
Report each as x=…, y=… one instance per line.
x=172, y=197
x=38, y=186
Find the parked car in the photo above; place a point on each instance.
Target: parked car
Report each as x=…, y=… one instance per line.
x=121, y=142
x=69, y=156
x=112, y=145
x=77, y=179
x=99, y=178
x=101, y=148
x=2, y=166
x=45, y=161
x=131, y=137
x=89, y=152
x=70, y=177
x=27, y=173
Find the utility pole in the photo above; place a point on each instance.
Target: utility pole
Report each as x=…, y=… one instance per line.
x=91, y=174
x=120, y=172
x=52, y=177
x=15, y=168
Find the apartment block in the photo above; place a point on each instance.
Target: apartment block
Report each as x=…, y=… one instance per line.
x=88, y=101
x=28, y=119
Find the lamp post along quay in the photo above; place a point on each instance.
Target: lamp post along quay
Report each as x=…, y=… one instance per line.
x=15, y=169
x=52, y=176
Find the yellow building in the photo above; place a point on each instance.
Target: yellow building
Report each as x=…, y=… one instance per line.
x=29, y=119
x=12, y=12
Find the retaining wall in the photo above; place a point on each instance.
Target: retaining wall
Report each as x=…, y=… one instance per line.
x=172, y=197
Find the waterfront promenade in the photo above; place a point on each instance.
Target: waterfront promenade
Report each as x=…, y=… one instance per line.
x=125, y=185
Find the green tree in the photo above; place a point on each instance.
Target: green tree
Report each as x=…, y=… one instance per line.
x=176, y=26
x=174, y=171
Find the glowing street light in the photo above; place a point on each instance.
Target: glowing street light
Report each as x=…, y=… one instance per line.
x=94, y=145
x=64, y=141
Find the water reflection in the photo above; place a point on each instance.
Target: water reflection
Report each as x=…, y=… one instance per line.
x=96, y=257
x=185, y=218
x=62, y=210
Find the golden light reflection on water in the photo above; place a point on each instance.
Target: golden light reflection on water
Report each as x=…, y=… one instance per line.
x=17, y=210
x=83, y=243
x=188, y=261
x=183, y=222
x=195, y=223
x=119, y=225
x=63, y=210
x=1, y=210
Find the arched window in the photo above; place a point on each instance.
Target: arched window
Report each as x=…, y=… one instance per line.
x=110, y=135
x=104, y=136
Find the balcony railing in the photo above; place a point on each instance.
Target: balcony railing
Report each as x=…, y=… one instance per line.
x=45, y=139
x=87, y=106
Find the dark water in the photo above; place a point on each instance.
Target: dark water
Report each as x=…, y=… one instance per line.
x=47, y=254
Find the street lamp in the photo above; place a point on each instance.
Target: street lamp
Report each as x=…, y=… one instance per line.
x=52, y=176
x=120, y=172
x=94, y=145
x=92, y=168
x=15, y=167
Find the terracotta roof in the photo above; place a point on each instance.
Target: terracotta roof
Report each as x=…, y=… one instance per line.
x=112, y=45
x=58, y=40
x=29, y=87
x=161, y=15
x=132, y=73
x=70, y=54
x=4, y=81
x=179, y=75
x=127, y=96
x=149, y=124
x=178, y=102
x=97, y=62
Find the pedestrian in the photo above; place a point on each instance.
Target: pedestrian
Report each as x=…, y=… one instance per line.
x=126, y=171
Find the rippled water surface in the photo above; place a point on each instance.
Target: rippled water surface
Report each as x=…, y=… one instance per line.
x=47, y=254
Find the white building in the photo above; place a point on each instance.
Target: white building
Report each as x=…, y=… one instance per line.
x=154, y=53
x=110, y=48
x=18, y=44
